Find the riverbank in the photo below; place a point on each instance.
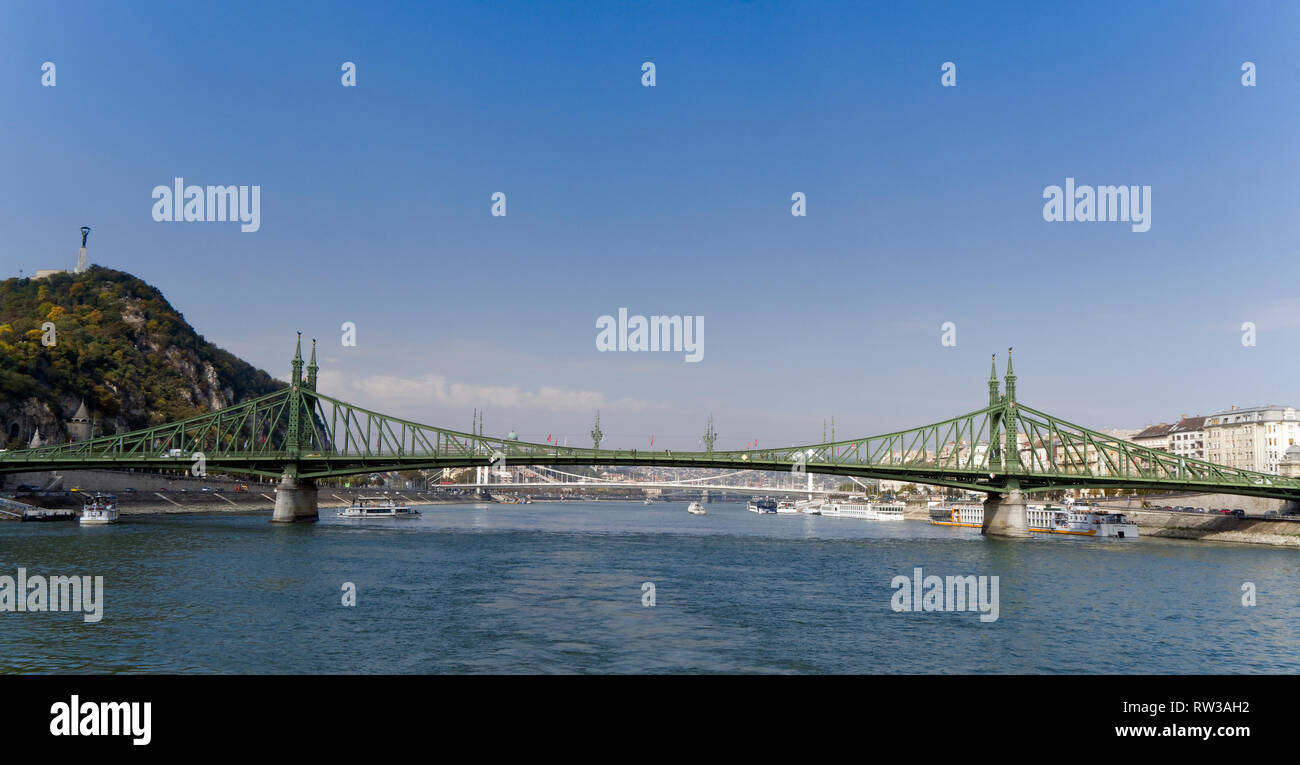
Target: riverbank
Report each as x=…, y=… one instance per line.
x=1217, y=528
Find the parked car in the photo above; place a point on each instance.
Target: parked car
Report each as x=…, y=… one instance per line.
x=1270, y=514
x=207, y=488
x=1200, y=509
x=1179, y=508
x=1239, y=513
x=129, y=490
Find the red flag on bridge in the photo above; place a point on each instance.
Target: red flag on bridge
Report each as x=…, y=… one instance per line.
x=652, y=439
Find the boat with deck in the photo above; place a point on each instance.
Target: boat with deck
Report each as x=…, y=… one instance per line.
x=377, y=507
x=695, y=508
x=809, y=506
x=1071, y=519
x=762, y=505
x=99, y=510
x=860, y=507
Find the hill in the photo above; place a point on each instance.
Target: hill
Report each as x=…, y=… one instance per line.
x=119, y=346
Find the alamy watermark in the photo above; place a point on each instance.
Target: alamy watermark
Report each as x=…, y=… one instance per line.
x=75, y=717
x=24, y=594
x=638, y=333
x=212, y=204
x=1085, y=204
x=954, y=593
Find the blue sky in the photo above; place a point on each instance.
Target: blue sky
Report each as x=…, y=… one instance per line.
x=924, y=202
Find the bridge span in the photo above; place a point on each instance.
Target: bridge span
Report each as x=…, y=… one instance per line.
x=1004, y=449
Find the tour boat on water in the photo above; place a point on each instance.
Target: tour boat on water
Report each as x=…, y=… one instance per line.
x=377, y=507
x=809, y=506
x=859, y=507
x=1075, y=520
x=695, y=508
x=762, y=506
x=99, y=510
x=785, y=506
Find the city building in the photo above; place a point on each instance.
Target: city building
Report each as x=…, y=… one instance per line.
x=1254, y=438
x=1154, y=437
x=1187, y=437
x=1290, y=464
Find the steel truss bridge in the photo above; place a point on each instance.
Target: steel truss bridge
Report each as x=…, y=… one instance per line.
x=300, y=434
x=548, y=479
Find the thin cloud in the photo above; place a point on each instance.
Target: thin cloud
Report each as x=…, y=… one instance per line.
x=437, y=390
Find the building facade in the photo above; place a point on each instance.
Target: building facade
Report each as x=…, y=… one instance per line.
x=1187, y=437
x=1254, y=438
x=1154, y=437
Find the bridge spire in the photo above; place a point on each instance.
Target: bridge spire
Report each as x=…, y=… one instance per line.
x=710, y=436
x=295, y=378
x=596, y=435
x=1011, y=379
x=312, y=368
x=994, y=396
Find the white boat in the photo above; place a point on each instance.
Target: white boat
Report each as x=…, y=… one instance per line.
x=762, y=506
x=887, y=511
x=1074, y=520
x=99, y=510
x=809, y=506
x=377, y=507
x=859, y=507
x=695, y=508
x=785, y=506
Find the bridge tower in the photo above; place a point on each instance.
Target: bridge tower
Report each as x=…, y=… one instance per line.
x=295, y=498
x=1004, y=513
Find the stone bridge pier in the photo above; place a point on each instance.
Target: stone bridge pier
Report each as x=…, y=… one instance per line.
x=295, y=500
x=1005, y=515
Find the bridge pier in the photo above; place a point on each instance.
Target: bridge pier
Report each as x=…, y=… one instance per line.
x=1005, y=515
x=295, y=500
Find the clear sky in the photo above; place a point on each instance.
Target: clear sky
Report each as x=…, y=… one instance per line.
x=924, y=203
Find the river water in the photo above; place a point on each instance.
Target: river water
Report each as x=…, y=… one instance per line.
x=561, y=587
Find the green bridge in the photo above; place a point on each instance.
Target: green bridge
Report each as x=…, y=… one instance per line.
x=298, y=435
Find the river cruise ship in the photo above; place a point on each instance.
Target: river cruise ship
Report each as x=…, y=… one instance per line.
x=762, y=506
x=859, y=507
x=99, y=510
x=1075, y=520
x=377, y=507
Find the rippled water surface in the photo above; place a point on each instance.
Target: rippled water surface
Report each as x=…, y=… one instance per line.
x=559, y=588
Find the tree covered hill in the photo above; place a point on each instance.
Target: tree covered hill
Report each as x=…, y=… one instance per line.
x=119, y=346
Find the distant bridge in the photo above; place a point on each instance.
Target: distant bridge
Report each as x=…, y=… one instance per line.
x=1004, y=449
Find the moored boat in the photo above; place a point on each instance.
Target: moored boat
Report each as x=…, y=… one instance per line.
x=860, y=507
x=99, y=510
x=377, y=507
x=1072, y=519
x=695, y=508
